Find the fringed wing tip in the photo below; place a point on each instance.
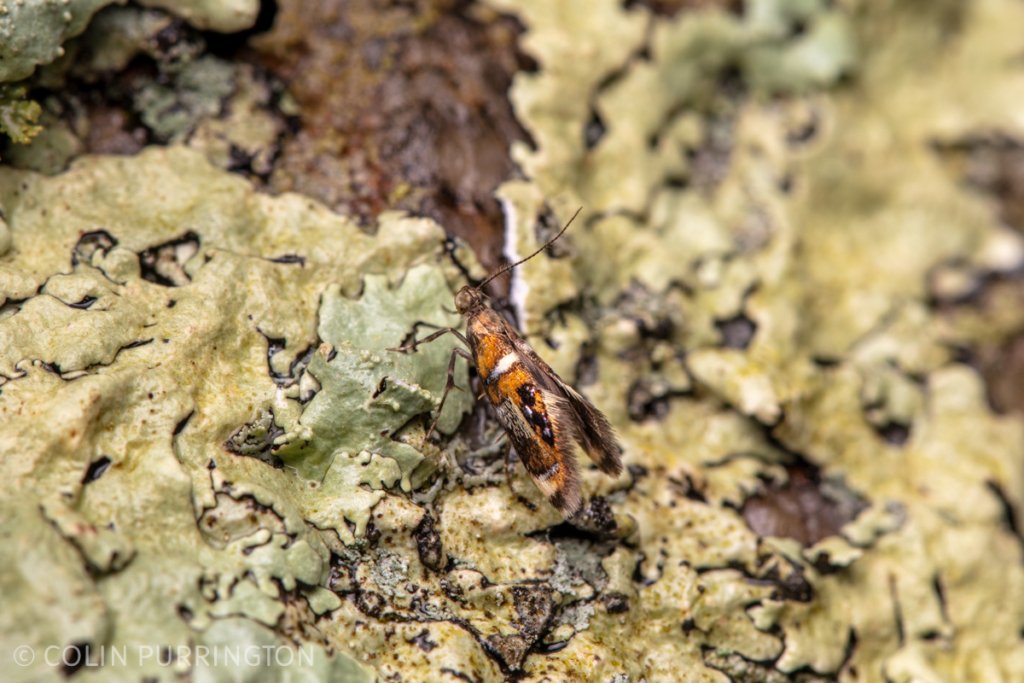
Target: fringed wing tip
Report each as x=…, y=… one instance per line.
x=567, y=500
x=609, y=462
x=596, y=435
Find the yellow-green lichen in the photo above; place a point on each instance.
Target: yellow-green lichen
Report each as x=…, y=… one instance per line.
x=205, y=438
x=782, y=253
x=225, y=16
x=19, y=115
x=32, y=32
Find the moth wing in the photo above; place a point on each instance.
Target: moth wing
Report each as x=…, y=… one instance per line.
x=553, y=468
x=596, y=436
x=592, y=430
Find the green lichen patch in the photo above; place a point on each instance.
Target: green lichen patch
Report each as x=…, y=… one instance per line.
x=31, y=33
x=364, y=376
x=137, y=343
x=34, y=33
x=137, y=75
x=19, y=115
x=171, y=112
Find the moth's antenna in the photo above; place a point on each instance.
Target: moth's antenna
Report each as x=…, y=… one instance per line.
x=524, y=260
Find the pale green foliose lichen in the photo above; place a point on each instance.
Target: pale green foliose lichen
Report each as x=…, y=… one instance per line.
x=205, y=439
x=19, y=115
x=140, y=297
x=33, y=32
x=199, y=87
x=229, y=110
x=40, y=36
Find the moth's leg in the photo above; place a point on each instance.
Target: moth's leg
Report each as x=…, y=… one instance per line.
x=411, y=346
x=441, y=331
x=449, y=383
x=508, y=463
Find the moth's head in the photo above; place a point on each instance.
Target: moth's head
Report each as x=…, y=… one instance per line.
x=468, y=299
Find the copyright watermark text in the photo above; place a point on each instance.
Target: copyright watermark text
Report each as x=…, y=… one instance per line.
x=75, y=657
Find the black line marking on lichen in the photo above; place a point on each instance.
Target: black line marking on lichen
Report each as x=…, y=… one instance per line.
x=687, y=489
x=615, y=602
x=180, y=427
x=53, y=368
x=136, y=344
x=594, y=130
x=638, y=569
x=276, y=345
x=117, y=354
x=594, y=522
x=11, y=306
x=645, y=400
x=84, y=304
x=551, y=648
x=897, y=610
x=457, y=674
x=940, y=596
x=96, y=469
x=1009, y=511
x=805, y=133
x=289, y=259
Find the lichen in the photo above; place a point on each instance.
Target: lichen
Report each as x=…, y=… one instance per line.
x=172, y=111
x=219, y=15
x=34, y=33
x=31, y=33
x=784, y=253
x=773, y=290
x=122, y=381
x=19, y=115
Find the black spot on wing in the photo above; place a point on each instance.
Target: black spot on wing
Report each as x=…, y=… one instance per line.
x=537, y=417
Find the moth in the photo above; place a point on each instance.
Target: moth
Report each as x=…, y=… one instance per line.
x=544, y=418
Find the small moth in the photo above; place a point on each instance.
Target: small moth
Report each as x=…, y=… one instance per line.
x=542, y=415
